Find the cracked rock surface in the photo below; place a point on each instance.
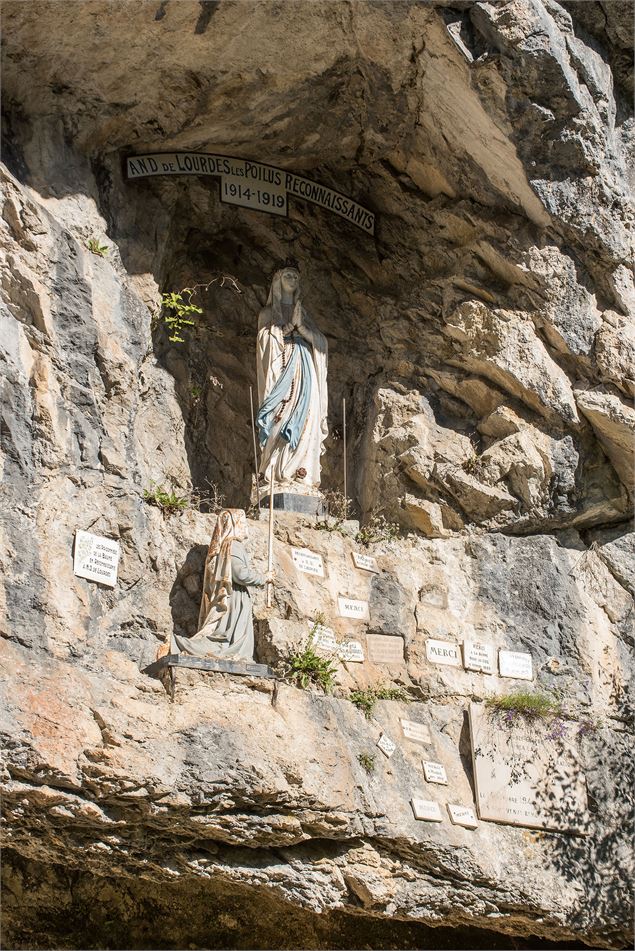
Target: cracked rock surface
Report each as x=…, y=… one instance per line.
x=483, y=341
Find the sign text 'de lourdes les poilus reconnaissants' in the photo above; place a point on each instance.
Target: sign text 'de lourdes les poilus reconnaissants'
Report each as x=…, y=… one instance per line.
x=252, y=184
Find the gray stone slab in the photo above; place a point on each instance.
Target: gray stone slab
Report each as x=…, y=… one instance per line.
x=211, y=664
x=294, y=502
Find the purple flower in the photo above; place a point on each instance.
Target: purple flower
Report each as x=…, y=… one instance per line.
x=558, y=729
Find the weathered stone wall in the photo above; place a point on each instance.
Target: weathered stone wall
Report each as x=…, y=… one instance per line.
x=484, y=344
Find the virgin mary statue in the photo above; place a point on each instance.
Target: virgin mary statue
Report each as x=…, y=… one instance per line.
x=291, y=360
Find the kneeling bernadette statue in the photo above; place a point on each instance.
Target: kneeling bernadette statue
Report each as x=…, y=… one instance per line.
x=226, y=627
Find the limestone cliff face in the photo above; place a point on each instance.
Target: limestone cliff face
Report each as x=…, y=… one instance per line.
x=484, y=343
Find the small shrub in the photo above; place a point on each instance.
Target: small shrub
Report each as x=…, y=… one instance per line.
x=338, y=509
x=176, y=313
x=169, y=502
x=470, y=464
x=367, y=761
x=377, y=529
x=528, y=705
x=211, y=499
x=587, y=725
x=338, y=505
x=366, y=699
x=95, y=247
x=535, y=707
x=177, y=310
x=306, y=667
x=177, y=499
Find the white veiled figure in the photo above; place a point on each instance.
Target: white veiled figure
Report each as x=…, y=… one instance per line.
x=292, y=361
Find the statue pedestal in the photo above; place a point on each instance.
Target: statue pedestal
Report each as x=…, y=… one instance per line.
x=294, y=502
x=242, y=668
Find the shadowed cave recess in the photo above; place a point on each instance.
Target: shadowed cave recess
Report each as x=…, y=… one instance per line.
x=483, y=342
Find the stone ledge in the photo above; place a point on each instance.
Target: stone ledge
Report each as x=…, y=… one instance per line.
x=209, y=663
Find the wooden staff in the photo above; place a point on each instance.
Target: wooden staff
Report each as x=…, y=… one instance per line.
x=253, y=433
x=270, y=552
x=344, y=439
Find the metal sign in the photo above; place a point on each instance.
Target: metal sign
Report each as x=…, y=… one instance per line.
x=251, y=184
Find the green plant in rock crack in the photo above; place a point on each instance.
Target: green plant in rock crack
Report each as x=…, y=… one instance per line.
x=175, y=499
x=167, y=500
x=377, y=529
x=177, y=311
x=93, y=245
x=304, y=667
x=470, y=464
x=534, y=707
x=528, y=704
x=367, y=761
x=366, y=698
x=338, y=509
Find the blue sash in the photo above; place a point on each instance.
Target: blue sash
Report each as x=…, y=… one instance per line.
x=293, y=425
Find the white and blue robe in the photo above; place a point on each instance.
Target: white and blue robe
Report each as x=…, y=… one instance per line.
x=292, y=416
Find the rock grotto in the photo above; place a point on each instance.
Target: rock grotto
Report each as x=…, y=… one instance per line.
x=483, y=340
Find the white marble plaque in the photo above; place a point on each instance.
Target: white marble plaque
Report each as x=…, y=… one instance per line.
x=462, y=816
x=525, y=777
x=434, y=772
x=349, y=607
x=308, y=562
x=323, y=638
x=477, y=656
x=385, y=649
x=427, y=810
x=96, y=558
x=365, y=562
x=418, y=732
x=386, y=745
x=351, y=651
x=516, y=665
x=443, y=652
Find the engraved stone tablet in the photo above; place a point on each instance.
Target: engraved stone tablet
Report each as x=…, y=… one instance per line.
x=307, y=561
x=385, y=649
x=515, y=664
x=323, y=638
x=386, y=745
x=443, y=652
x=348, y=607
x=96, y=558
x=462, y=816
x=351, y=651
x=477, y=656
x=525, y=777
x=427, y=810
x=434, y=772
x=418, y=732
x=365, y=562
